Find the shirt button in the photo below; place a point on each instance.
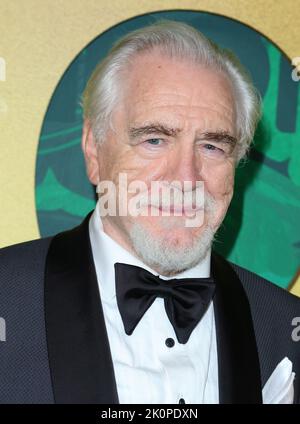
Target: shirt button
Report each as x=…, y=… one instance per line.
x=181, y=400
x=169, y=342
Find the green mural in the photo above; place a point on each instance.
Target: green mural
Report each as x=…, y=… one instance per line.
x=262, y=229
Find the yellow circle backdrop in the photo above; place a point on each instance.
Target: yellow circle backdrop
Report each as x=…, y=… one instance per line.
x=39, y=39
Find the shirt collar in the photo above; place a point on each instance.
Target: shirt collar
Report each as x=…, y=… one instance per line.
x=106, y=252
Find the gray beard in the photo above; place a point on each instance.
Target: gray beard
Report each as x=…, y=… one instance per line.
x=165, y=259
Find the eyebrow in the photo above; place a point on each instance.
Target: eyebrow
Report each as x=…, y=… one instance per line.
x=153, y=128
x=217, y=136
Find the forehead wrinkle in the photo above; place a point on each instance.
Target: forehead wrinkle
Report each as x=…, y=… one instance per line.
x=182, y=108
x=210, y=106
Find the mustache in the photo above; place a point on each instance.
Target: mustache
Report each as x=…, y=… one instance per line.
x=176, y=200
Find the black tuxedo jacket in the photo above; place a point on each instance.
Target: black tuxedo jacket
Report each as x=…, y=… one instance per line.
x=57, y=349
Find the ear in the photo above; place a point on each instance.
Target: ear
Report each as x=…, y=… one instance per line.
x=90, y=152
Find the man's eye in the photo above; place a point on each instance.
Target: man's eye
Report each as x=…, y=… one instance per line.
x=210, y=147
x=213, y=148
x=154, y=141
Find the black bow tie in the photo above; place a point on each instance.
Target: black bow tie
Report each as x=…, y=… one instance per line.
x=186, y=299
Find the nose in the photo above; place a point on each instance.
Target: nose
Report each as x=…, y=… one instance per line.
x=185, y=165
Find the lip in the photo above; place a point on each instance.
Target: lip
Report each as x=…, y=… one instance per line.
x=181, y=209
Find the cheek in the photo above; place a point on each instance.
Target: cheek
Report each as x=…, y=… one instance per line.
x=113, y=161
x=220, y=185
x=149, y=171
x=140, y=169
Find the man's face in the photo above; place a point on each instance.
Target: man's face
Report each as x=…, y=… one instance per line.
x=175, y=121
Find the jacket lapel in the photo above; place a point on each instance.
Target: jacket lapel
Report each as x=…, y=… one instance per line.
x=80, y=360
x=238, y=363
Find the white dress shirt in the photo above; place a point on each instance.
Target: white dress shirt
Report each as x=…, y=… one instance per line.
x=146, y=369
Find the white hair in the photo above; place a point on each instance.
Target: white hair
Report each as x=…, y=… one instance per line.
x=174, y=39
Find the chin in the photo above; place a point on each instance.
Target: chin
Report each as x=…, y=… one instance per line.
x=170, y=250
x=171, y=230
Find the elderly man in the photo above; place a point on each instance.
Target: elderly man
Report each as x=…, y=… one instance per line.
x=133, y=306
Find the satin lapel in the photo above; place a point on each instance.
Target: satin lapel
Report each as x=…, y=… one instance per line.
x=78, y=347
x=239, y=370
